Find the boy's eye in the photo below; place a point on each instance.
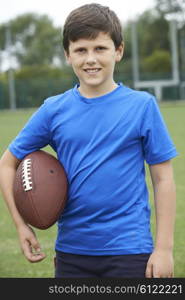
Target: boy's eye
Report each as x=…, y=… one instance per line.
x=80, y=50
x=100, y=48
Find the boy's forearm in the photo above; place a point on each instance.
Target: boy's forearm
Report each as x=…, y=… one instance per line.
x=165, y=207
x=7, y=175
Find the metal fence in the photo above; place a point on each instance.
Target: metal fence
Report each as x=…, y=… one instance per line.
x=32, y=92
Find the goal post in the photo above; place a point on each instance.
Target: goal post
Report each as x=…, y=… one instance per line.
x=157, y=85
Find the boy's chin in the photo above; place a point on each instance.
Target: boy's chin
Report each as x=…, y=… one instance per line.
x=92, y=83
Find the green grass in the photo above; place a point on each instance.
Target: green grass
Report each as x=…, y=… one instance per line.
x=13, y=263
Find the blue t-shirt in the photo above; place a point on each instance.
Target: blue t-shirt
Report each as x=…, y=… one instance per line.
x=102, y=143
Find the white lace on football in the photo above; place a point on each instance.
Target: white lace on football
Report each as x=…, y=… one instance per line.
x=26, y=175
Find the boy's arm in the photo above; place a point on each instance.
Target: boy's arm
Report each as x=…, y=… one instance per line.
x=28, y=240
x=160, y=263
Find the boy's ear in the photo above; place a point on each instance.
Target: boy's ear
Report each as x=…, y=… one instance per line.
x=120, y=52
x=67, y=56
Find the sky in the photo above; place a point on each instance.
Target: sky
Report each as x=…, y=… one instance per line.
x=58, y=10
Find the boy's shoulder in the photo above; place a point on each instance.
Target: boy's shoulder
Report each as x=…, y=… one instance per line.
x=138, y=97
x=52, y=101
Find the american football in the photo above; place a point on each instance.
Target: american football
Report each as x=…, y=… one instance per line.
x=40, y=189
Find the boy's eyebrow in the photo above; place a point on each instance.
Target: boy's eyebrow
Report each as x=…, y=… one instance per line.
x=79, y=48
x=84, y=47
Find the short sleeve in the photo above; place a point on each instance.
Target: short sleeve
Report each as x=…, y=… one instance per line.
x=34, y=135
x=157, y=143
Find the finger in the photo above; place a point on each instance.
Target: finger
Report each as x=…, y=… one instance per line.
x=156, y=273
x=38, y=255
x=32, y=257
x=27, y=250
x=35, y=244
x=148, y=272
x=171, y=275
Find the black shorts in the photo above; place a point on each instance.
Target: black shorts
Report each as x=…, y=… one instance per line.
x=125, y=266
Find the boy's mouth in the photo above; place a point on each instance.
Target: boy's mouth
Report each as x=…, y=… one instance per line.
x=92, y=70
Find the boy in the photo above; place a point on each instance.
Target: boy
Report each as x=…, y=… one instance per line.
x=102, y=132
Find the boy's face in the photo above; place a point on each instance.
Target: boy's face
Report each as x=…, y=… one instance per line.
x=93, y=62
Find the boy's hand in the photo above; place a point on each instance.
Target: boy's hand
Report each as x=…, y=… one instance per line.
x=29, y=244
x=160, y=265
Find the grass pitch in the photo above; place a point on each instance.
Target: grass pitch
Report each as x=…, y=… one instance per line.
x=12, y=262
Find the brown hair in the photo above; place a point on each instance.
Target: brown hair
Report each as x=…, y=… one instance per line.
x=88, y=21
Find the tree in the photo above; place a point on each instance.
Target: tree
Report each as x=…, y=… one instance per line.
x=153, y=45
x=35, y=40
x=170, y=6
x=157, y=59
x=152, y=33
x=174, y=8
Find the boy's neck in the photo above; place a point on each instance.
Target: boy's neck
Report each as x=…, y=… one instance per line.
x=94, y=92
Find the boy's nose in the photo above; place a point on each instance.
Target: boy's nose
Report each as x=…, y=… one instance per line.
x=91, y=59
